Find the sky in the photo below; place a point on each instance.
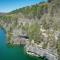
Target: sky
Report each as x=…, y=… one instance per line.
x=10, y=5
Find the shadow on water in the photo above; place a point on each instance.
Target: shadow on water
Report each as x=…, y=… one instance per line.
x=12, y=53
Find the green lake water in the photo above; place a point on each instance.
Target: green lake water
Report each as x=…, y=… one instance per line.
x=15, y=53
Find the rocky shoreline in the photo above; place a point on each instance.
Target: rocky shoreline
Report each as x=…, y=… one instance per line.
x=37, y=51
x=31, y=49
x=48, y=32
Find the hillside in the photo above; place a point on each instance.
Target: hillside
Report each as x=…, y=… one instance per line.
x=41, y=23
x=33, y=11
x=1, y=14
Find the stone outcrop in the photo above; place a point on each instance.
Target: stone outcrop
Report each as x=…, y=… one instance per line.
x=14, y=30
x=52, y=18
x=35, y=50
x=20, y=40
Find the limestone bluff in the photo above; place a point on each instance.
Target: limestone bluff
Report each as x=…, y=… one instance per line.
x=40, y=23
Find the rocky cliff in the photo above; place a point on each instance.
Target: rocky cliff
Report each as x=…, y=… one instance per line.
x=51, y=42
x=42, y=26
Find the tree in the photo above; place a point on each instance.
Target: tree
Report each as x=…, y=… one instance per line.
x=33, y=31
x=58, y=47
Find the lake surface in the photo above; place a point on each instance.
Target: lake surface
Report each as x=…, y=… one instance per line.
x=15, y=53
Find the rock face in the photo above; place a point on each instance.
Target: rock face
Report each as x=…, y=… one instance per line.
x=35, y=50
x=55, y=16
x=20, y=40
x=52, y=52
x=50, y=36
x=14, y=29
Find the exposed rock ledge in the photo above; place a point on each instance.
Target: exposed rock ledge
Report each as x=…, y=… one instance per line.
x=37, y=51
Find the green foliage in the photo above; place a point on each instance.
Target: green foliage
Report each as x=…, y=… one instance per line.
x=33, y=31
x=32, y=11
x=58, y=46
